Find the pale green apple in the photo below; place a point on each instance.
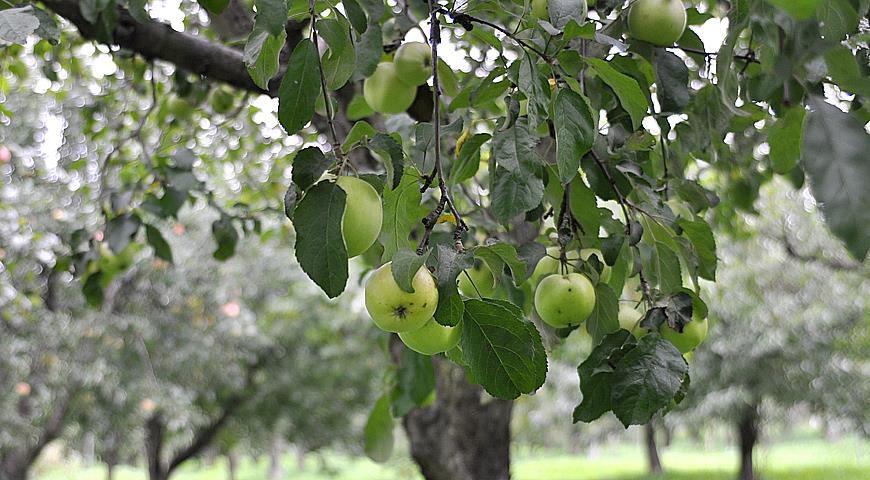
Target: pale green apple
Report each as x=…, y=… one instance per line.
x=481, y=277
x=432, y=338
x=660, y=22
x=563, y=300
x=629, y=319
x=413, y=62
x=363, y=215
x=395, y=310
x=385, y=93
x=550, y=264
x=693, y=334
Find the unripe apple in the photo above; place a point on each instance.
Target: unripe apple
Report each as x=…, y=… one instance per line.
x=395, y=310
x=481, y=277
x=432, y=338
x=629, y=319
x=550, y=264
x=363, y=215
x=385, y=93
x=413, y=62
x=563, y=300
x=605, y=270
x=693, y=334
x=660, y=22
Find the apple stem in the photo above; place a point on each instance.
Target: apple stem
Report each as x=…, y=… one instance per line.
x=336, y=146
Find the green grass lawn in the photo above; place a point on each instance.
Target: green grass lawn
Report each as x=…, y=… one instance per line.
x=796, y=460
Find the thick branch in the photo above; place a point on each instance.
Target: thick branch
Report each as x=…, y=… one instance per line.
x=156, y=40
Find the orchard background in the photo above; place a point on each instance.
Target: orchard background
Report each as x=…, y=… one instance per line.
x=459, y=239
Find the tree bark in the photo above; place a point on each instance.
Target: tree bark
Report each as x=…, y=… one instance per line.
x=652, y=449
x=464, y=434
x=110, y=471
x=747, y=431
x=275, y=450
x=232, y=465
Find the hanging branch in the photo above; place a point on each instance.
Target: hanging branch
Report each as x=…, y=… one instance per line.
x=467, y=20
x=438, y=171
x=336, y=146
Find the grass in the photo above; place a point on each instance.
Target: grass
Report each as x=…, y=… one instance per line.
x=811, y=459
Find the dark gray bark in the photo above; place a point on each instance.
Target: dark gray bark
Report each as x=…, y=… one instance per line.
x=747, y=432
x=464, y=434
x=652, y=450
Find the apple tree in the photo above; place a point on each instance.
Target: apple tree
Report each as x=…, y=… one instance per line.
x=436, y=140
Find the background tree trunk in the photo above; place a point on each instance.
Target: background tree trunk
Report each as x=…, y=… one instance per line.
x=652, y=449
x=276, y=449
x=464, y=434
x=747, y=431
x=232, y=465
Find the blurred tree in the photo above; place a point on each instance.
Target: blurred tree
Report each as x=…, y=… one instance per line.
x=790, y=326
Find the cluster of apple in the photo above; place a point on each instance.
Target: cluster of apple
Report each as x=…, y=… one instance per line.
x=393, y=86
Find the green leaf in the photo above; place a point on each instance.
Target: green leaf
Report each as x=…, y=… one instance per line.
x=137, y=10
x=835, y=158
x=468, y=161
x=299, y=87
x=378, y=432
x=535, y=87
x=596, y=374
x=262, y=52
x=605, y=317
x=513, y=147
x=646, y=379
x=320, y=246
x=415, y=382
x=402, y=213
x=838, y=18
x=369, y=48
x=393, y=156
x=50, y=31
x=158, y=243
x=563, y=11
x=784, y=138
x=339, y=62
x=514, y=194
x=672, y=81
x=584, y=206
x=575, y=132
x=699, y=233
x=662, y=266
x=844, y=70
x=800, y=9
x=497, y=255
x=359, y=132
x=503, y=350
x=226, y=237
x=448, y=265
x=16, y=24
x=358, y=109
x=308, y=166
x=214, y=6
x=290, y=197
x=631, y=97
x=356, y=15
x=405, y=265
x=271, y=16
x=121, y=230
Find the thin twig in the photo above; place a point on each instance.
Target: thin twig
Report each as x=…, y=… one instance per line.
x=749, y=58
x=336, y=146
x=464, y=19
x=438, y=170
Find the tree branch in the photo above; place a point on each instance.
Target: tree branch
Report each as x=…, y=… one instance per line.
x=157, y=40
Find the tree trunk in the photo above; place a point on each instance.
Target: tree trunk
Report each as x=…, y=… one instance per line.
x=275, y=451
x=652, y=450
x=747, y=431
x=464, y=434
x=110, y=471
x=232, y=465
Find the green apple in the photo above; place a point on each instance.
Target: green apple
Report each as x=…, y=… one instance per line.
x=660, y=22
x=385, y=93
x=693, y=334
x=550, y=264
x=540, y=10
x=432, y=338
x=631, y=291
x=629, y=319
x=395, y=310
x=481, y=277
x=563, y=300
x=413, y=62
x=363, y=215
x=605, y=272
